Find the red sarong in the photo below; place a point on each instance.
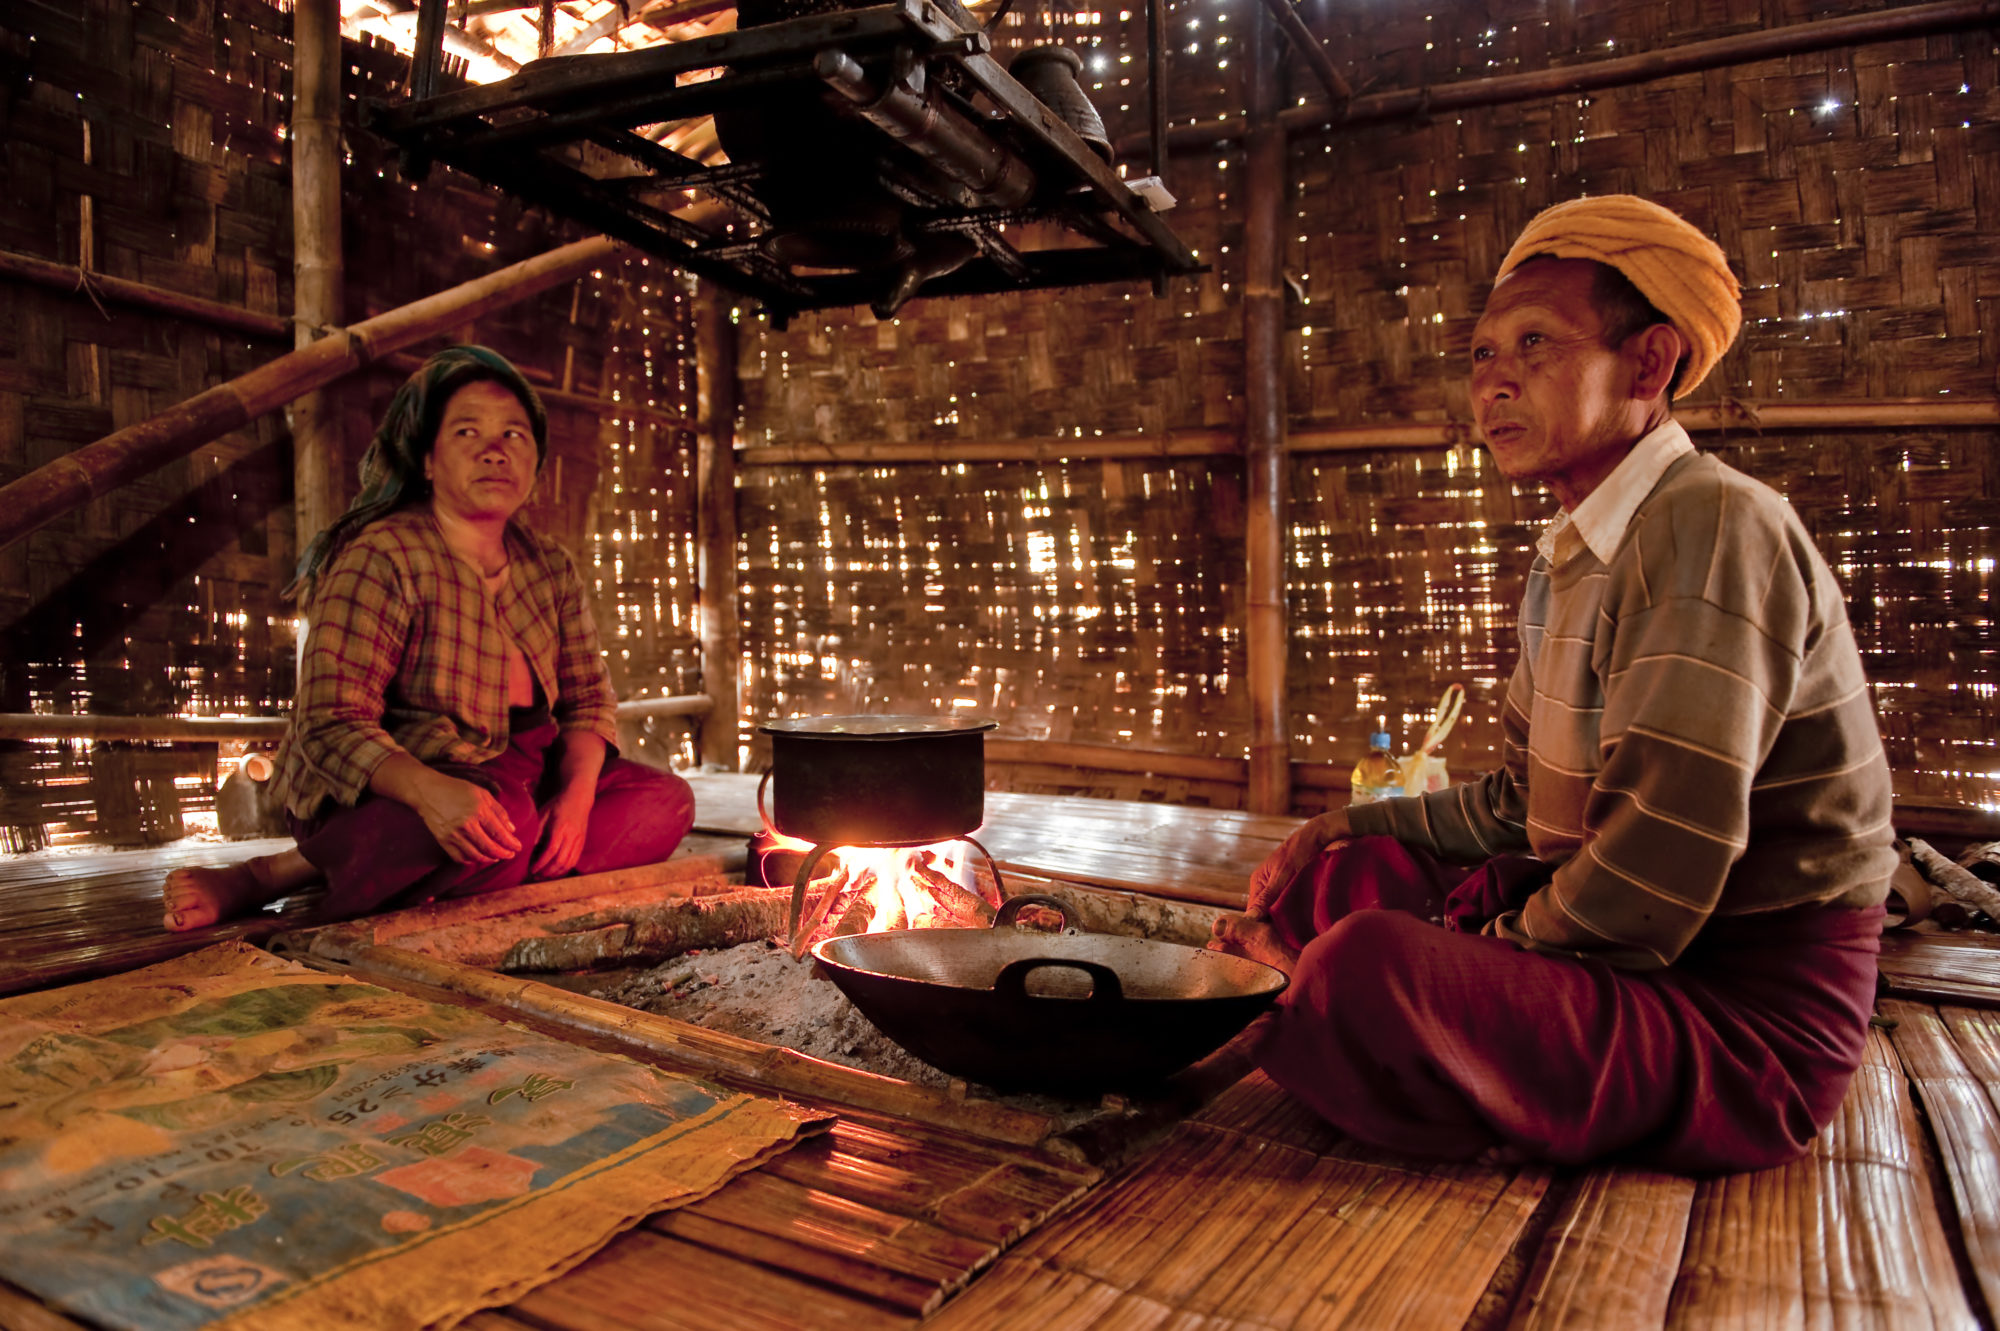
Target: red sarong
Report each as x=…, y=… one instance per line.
x=379, y=853
x=1407, y=1029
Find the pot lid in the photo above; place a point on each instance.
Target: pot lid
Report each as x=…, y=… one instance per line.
x=875, y=727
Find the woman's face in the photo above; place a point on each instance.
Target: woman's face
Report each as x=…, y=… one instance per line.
x=482, y=465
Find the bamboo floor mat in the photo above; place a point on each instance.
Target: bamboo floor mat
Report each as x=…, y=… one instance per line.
x=870, y=1226
x=74, y=915
x=1255, y=1216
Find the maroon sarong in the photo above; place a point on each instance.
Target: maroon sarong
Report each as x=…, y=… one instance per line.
x=379, y=853
x=1407, y=1029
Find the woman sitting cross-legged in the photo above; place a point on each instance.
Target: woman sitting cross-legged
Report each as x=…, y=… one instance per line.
x=454, y=721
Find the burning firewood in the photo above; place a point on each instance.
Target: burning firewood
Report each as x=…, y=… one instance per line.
x=876, y=889
x=853, y=911
x=956, y=907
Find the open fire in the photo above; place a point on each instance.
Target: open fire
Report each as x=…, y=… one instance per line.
x=869, y=889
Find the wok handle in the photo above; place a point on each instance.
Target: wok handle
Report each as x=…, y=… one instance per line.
x=1011, y=984
x=1013, y=906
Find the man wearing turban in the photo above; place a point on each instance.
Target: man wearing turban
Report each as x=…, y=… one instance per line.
x=1650, y=935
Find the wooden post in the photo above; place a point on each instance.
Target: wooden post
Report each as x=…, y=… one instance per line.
x=1264, y=423
x=715, y=488
x=1156, y=86
x=427, y=61
x=316, y=259
x=33, y=501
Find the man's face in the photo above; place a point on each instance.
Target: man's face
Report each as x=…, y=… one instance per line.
x=482, y=465
x=1553, y=403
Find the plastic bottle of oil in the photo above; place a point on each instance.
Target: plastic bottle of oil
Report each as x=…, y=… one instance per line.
x=1378, y=775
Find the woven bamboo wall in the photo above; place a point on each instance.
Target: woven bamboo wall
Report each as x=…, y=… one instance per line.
x=162, y=597
x=1855, y=189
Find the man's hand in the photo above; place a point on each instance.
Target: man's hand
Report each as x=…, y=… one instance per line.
x=471, y=826
x=1284, y=865
x=563, y=824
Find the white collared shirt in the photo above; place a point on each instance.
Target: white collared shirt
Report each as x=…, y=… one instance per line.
x=1599, y=522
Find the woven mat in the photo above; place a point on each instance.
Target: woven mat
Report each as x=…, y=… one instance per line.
x=232, y=1139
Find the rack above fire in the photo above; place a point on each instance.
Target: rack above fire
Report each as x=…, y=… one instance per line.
x=877, y=154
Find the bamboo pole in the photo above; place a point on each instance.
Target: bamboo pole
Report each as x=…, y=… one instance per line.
x=661, y=14
x=1307, y=437
x=124, y=291
x=677, y=704
x=1264, y=426
x=316, y=259
x=1175, y=443
x=199, y=729
x=161, y=729
x=1310, y=51
x=1620, y=71
x=715, y=517
x=564, y=397
x=766, y=1067
x=45, y=494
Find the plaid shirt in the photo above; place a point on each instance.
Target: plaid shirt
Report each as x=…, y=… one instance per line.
x=405, y=652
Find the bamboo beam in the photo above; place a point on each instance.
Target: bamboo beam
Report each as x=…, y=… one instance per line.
x=45, y=494
x=1880, y=414
x=1173, y=444
x=160, y=729
x=1264, y=426
x=562, y=397
x=676, y=704
x=200, y=729
x=1314, y=54
x=316, y=259
x=1307, y=437
x=372, y=18
x=715, y=523
x=1620, y=71
x=119, y=290
x=661, y=14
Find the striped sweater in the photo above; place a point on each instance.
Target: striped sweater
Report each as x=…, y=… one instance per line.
x=1687, y=734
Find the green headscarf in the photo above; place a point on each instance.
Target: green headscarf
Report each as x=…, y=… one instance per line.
x=392, y=470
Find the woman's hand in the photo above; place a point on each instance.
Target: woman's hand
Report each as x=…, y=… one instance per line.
x=563, y=824
x=579, y=761
x=464, y=819
x=1284, y=865
x=470, y=825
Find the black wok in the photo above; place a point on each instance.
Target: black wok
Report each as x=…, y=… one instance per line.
x=1072, y=1014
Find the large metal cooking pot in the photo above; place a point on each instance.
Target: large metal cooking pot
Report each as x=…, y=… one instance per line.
x=881, y=780
x=1072, y=1014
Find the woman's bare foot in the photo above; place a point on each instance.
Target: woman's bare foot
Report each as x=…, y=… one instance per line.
x=196, y=898
x=1251, y=935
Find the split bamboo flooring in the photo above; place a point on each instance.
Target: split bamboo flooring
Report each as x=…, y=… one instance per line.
x=1250, y=1214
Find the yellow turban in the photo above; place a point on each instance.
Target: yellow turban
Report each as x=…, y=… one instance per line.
x=1681, y=271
